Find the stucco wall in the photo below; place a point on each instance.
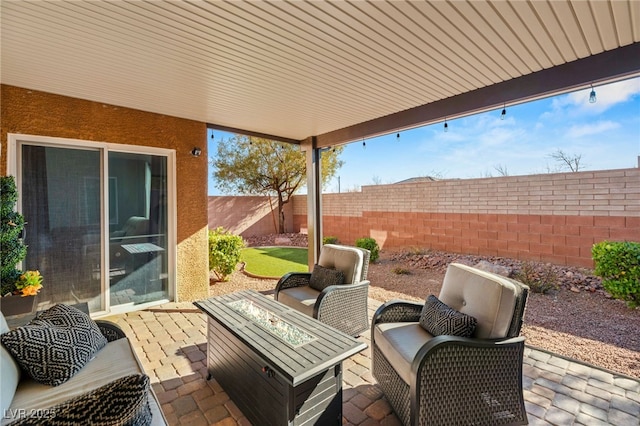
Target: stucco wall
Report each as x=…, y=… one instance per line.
x=38, y=113
x=551, y=217
x=247, y=215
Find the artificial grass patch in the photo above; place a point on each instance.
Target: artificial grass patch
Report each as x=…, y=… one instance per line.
x=274, y=261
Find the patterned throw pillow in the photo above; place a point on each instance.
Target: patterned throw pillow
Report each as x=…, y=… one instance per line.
x=55, y=345
x=438, y=319
x=322, y=277
x=123, y=402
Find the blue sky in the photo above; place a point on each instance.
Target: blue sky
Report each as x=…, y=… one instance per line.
x=605, y=134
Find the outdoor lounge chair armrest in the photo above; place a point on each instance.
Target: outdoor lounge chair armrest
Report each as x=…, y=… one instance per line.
x=490, y=371
x=292, y=279
x=334, y=290
x=344, y=307
x=469, y=354
x=110, y=330
x=398, y=311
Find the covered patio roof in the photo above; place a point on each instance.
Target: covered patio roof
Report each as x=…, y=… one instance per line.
x=336, y=71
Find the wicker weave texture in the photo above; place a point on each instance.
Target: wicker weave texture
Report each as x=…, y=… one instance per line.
x=294, y=279
x=345, y=308
x=469, y=384
x=459, y=381
x=394, y=388
x=110, y=330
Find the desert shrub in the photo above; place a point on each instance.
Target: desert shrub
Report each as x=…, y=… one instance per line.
x=618, y=263
x=540, y=280
x=371, y=245
x=418, y=251
x=401, y=271
x=330, y=240
x=224, y=252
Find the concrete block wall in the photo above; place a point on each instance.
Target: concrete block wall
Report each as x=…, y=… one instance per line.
x=247, y=215
x=551, y=217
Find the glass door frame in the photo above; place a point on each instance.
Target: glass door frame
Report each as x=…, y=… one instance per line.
x=14, y=167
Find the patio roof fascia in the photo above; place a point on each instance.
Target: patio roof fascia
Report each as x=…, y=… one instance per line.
x=613, y=65
x=609, y=66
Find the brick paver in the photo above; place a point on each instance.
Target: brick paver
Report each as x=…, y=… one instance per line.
x=170, y=341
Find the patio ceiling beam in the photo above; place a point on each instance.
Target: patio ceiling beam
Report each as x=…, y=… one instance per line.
x=608, y=66
x=213, y=126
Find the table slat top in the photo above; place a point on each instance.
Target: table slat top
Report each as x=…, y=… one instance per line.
x=296, y=364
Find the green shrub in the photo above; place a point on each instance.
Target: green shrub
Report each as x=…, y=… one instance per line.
x=330, y=240
x=224, y=252
x=371, y=245
x=12, y=248
x=618, y=263
x=539, y=280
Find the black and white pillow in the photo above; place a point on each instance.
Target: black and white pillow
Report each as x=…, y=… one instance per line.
x=439, y=319
x=123, y=402
x=55, y=345
x=322, y=277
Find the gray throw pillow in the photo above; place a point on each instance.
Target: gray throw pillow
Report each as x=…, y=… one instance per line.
x=322, y=277
x=439, y=319
x=123, y=402
x=55, y=345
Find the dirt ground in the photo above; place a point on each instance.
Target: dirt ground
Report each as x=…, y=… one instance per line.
x=578, y=320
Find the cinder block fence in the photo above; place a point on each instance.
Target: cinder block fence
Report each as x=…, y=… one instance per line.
x=549, y=217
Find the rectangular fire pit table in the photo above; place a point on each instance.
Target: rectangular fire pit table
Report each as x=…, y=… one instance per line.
x=279, y=366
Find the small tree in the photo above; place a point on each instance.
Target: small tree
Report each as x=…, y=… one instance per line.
x=251, y=165
x=12, y=248
x=224, y=252
x=572, y=162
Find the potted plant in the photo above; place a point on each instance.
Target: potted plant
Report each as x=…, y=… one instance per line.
x=17, y=288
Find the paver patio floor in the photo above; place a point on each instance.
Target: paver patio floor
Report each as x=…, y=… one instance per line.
x=170, y=341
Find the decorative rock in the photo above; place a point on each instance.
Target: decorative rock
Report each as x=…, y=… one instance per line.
x=282, y=241
x=483, y=265
x=575, y=289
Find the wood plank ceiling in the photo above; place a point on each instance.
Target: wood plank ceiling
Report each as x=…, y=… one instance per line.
x=295, y=69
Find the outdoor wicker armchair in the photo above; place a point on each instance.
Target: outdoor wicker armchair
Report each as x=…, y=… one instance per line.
x=445, y=379
x=342, y=306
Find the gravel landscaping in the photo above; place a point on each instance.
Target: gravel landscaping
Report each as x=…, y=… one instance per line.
x=578, y=319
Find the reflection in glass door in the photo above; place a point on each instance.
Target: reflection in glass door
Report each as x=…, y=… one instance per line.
x=74, y=231
x=60, y=193
x=137, y=228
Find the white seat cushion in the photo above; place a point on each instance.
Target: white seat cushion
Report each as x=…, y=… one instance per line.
x=488, y=297
x=399, y=342
x=10, y=372
x=117, y=359
x=302, y=298
x=349, y=260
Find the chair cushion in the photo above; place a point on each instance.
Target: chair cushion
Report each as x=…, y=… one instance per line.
x=123, y=402
x=489, y=298
x=400, y=342
x=322, y=277
x=438, y=319
x=10, y=372
x=349, y=260
x=117, y=359
x=55, y=345
x=302, y=299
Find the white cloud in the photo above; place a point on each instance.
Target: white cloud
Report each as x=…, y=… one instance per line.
x=579, y=131
x=608, y=96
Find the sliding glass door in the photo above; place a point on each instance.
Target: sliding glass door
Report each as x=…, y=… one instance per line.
x=60, y=194
x=137, y=228
x=97, y=224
